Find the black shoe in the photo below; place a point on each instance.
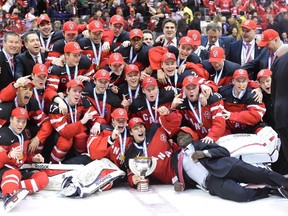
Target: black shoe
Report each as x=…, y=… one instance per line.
x=285, y=184
x=11, y=200
x=283, y=191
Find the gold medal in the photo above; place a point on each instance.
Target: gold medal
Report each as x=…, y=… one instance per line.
x=122, y=157
x=201, y=124
x=97, y=67
x=20, y=157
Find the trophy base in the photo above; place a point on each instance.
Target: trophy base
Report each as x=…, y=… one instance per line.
x=143, y=186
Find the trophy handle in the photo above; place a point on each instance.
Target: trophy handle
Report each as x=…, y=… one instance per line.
x=132, y=167
x=153, y=166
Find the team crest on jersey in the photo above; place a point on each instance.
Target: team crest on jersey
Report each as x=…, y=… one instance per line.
x=163, y=137
x=207, y=114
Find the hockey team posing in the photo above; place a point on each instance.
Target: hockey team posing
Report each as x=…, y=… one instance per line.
x=78, y=98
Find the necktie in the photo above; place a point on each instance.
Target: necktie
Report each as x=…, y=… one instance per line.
x=272, y=55
x=180, y=168
x=169, y=42
x=12, y=65
x=247, y=52
x=36, y=60
x=210, y=46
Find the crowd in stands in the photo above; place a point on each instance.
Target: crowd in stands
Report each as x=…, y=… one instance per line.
x=94, y=79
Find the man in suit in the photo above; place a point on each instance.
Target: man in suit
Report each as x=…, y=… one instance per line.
x=25, y=61
x=245, y=50
x=212, y=168
x=213, y=38
x=280, y=102
x=169, y=27
x=11, y=44
x=272, y=42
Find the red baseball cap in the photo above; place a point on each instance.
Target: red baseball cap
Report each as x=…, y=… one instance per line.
x=185, y=41
x=102, y=74
x=116, y=58
x=191, y=132
x=131, y=68
x=117, y=19
x=70, y=27
x=147, y=81
x=95, y=26
x=240, y=73
x=134, y=121
x=72, y=47
x=249, y=24
x=20, y=112
x=267, y=36
x=196, y=37
x=43, y=18
x=40, y=69
x=190, y=80
x=136, y=33
x=119, y=113
x=264, y=73
x=167, y=56
x=74, y=83
x=217, y=54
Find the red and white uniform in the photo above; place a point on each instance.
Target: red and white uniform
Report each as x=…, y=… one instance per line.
x=101, y=146
x=10, y=177
x=245, y=111
x=59, y=76
x=70, y=128
x=208, y=120
x=157, y=146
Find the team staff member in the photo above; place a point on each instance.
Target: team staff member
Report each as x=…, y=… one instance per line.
x=14, y=141
x=211, y=167
x=73, y=127
x=113, y=141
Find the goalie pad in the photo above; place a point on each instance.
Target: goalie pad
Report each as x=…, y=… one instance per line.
x=262, y=147
x=95, y=176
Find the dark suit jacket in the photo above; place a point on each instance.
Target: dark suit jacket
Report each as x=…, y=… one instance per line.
x=224, y=42
x=6, y=76
x=257, y=64
x=219, y=164
x=25, y=63
x=279, y=91
x=235, y=50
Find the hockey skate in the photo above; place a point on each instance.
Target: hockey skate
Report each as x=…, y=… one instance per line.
x=11, y=200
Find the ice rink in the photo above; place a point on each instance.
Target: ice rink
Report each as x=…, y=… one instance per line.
x=160, y=200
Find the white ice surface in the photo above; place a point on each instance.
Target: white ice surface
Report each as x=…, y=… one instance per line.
x=160, y=200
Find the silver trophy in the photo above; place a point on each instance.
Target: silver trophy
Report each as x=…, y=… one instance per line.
x=143, y=166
